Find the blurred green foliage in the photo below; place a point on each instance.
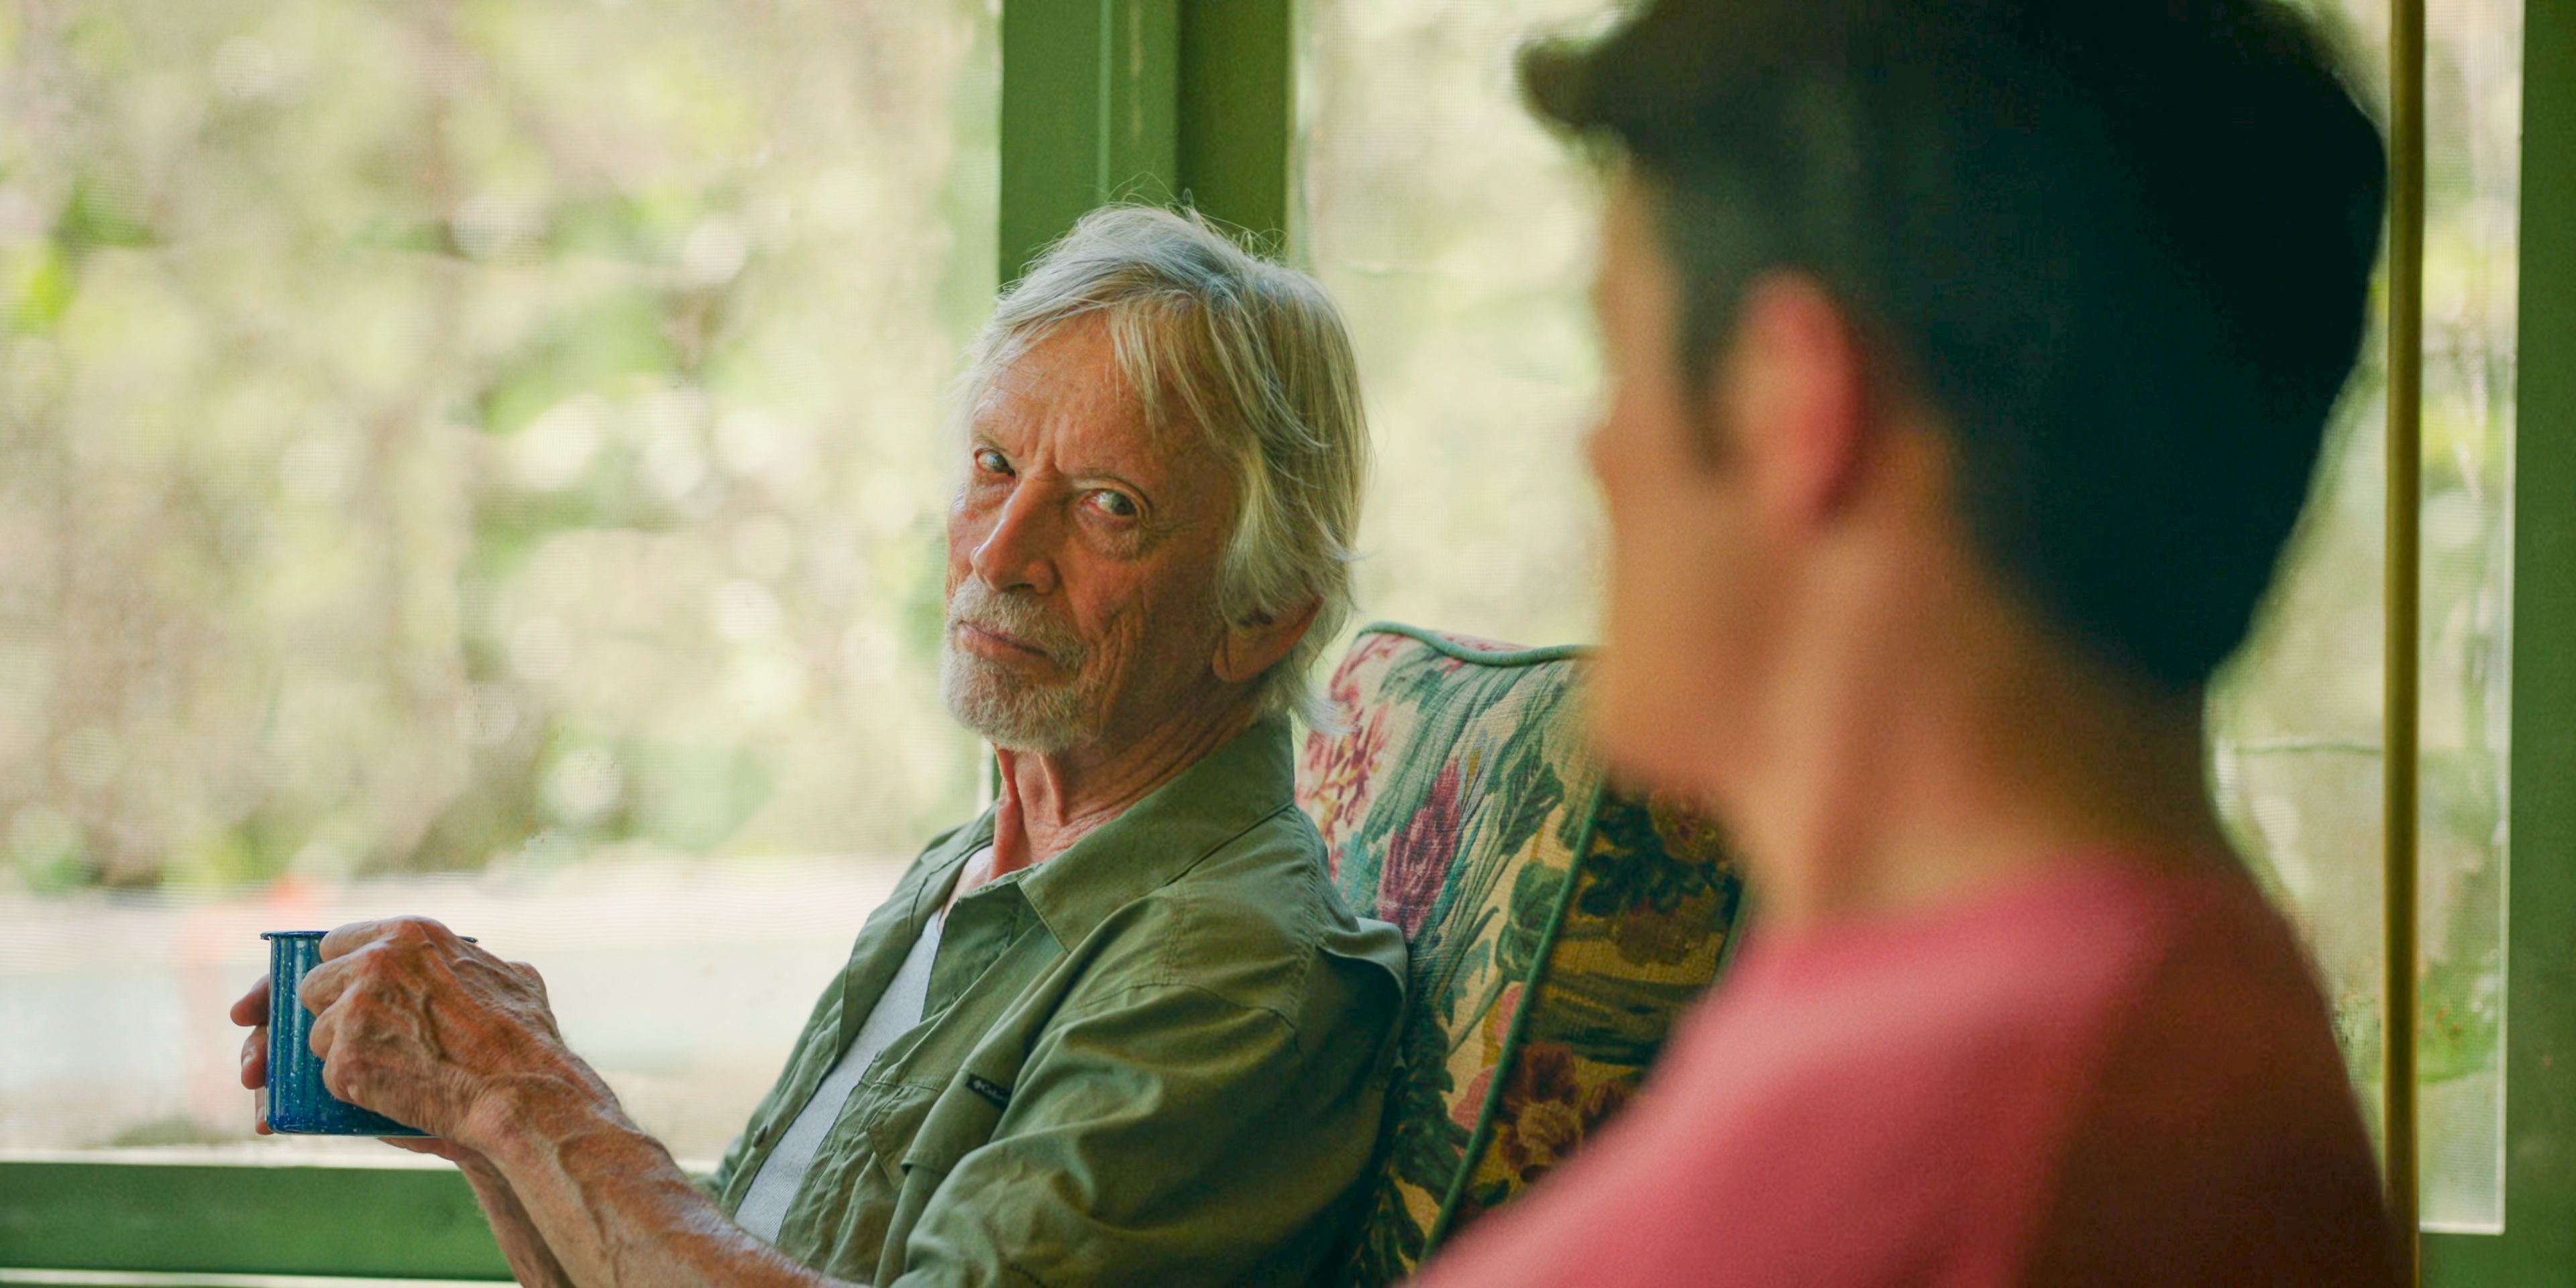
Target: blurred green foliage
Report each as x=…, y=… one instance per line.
x=446, y=433
x=1457, y=234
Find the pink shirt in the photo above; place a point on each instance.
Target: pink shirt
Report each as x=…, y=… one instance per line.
x=2107, y=1075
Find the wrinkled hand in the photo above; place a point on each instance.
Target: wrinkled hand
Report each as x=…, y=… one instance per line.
x=419, y=1025
x=252, y=1010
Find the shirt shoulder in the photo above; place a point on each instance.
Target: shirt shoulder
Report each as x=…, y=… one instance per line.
x=1257, y=923
x=2219, y=1139
x=1809, y=1108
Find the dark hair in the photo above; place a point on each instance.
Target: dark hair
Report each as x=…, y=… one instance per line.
x=2123, y=246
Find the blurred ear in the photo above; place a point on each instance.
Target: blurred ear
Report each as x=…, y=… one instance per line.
x=1794, y=396
x=1256, y=643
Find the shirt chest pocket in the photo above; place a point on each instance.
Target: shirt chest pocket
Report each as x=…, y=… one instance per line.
x=942, y=1128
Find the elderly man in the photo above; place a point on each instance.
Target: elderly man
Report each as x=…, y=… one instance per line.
x=1118, y=1029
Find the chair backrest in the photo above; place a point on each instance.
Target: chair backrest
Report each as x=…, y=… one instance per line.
x=1558, y=925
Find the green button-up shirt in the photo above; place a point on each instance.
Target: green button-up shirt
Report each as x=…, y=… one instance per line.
x=1156, y=1058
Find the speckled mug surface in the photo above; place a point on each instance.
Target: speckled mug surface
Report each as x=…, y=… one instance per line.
x=297, y=1101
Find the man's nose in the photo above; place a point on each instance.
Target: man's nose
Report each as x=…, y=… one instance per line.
x=1018, y=551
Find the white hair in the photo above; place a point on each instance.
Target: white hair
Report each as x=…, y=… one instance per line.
x=1254, y=355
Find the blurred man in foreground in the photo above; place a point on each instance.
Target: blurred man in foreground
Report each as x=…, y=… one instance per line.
x=1971, y=358
x=1117, y=1030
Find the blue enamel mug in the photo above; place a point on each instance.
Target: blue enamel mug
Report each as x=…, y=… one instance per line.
x=298, y=1103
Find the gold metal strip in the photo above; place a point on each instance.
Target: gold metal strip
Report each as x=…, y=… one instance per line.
x=2405, y=460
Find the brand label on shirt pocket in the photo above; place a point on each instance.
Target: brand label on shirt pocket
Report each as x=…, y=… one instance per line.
x=960, y=1121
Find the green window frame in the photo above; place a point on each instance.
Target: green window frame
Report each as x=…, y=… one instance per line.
x=1192, y=100
x=2538, y=1245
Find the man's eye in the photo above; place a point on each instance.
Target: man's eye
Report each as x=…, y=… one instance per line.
x=990, y=461
x=1116, y=505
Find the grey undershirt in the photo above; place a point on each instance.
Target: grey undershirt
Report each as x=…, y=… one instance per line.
x=764, y=1205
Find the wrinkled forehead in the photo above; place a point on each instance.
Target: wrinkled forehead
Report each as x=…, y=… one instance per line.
x=1098, y=363
x=1067, y=368
x=1068, y=383
x=1060, y=362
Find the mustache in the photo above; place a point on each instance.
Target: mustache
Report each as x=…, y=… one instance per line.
x=976, y=604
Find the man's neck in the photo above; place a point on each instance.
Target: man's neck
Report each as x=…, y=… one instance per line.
x=1050, y=800
x=1915, y=755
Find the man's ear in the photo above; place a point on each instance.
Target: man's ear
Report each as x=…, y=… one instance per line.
x=1256, y=643
x=1794, y=396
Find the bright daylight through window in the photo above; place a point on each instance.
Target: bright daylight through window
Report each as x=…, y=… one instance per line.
x=477, y=460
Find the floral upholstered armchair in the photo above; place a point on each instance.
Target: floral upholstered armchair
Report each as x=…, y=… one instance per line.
x=1558, y=924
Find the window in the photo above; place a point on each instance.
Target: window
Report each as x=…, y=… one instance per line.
x=474, y=460
x=1467, y=310
x=2296, y=754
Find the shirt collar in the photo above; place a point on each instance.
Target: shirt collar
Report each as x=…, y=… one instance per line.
x=1217, y=798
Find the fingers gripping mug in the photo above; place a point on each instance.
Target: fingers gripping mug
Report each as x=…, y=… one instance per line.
x=297, y=1102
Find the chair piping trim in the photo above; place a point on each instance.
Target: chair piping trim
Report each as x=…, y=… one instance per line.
x=1735, y=926
x=1511, y=1051
x=1480, y=657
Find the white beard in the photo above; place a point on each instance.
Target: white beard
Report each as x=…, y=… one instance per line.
x=999, y=703
x=1008, y=710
